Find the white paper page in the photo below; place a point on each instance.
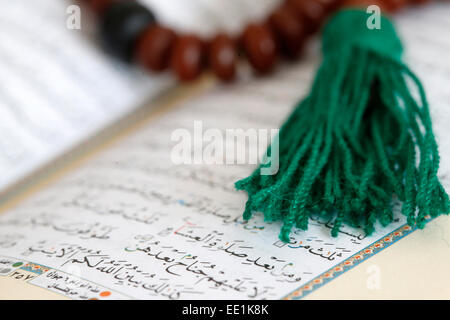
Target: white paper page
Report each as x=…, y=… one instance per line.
x=58, y=87
x=131, y=224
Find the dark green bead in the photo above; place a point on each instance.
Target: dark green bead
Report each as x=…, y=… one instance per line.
x=122, y=24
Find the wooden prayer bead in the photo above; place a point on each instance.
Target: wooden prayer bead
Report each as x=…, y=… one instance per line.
x=188, y=57
x=330, y=5
x=419, y=1
x=365, y=3
x=222, y=57
x=290, y=31
x=395, y=5
x=99, y=6
x=154, y=48
x=312, y=12
x=122, y=24
x=260, y=46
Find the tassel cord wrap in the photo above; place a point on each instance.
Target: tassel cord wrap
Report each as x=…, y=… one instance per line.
x=362, y=136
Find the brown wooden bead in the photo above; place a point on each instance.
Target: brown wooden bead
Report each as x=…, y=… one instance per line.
x=99, y=6
x=330, y=6
x=154, y=48
x=414, y=2
x=312, y=12
x=395, y=5
x=290, y=31
x=222, y=57
x=188, y=57
x=365, y=3
x=260, y=46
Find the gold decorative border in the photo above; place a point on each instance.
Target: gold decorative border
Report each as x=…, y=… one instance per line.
x=351, y=262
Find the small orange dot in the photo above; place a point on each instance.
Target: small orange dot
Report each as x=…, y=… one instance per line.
x=105, y=294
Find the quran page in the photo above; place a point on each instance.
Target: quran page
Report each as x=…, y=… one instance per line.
x=59, y=88
x=136, y=222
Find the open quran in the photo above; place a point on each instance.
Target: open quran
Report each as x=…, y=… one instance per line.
x=93, y=205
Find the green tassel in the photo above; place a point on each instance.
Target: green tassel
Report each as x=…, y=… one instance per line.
x=362, y=136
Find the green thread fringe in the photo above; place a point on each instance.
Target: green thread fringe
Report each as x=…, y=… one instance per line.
x=358, y=139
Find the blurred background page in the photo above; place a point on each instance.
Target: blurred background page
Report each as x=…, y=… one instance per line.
x=59, y=88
